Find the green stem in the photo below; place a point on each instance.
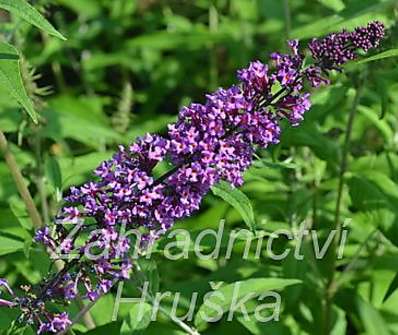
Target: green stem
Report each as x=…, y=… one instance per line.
x=40, y=178
x=20, y=182
x=332, y=285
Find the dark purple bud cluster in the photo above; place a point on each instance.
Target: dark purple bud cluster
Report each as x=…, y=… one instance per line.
x=338, y=48
x=210, y=142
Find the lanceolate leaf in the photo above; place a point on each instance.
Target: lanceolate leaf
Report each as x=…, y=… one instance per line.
x=11, y=80
x=138, y=320
x=381, y=55
x=238, y=200
x=9, y=245
x=23, y=9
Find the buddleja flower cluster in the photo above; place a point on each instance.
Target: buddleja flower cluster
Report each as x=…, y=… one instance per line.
x=209, y=142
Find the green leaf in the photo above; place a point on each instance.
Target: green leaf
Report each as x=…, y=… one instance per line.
x=81, y=119
x=391, y=288
x=381, y=55
x=238, y=290
x=365, y=195
x=336, y=5
x=262, y=162
x=11, y=80
x=75, y=170
x=19, y=210
x=54, y=172
x=238, y=200
x=150, y=270
x=309, y=135
x=372, y=320
x=31, y=15
x=358, y=13
x=9, y=245
x=15, y=328
x=102, y=312
x=86, y=9
x=340, y=322
x=138, y=320
x=382, y=125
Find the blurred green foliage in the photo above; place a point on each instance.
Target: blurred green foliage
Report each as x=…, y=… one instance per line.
x=126, y=68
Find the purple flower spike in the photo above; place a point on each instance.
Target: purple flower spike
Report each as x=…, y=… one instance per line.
x=338, y=48
x=209, y=142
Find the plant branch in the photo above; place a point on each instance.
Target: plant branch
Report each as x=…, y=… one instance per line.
x=20, y=182
x=40, y=178
x=331, y=285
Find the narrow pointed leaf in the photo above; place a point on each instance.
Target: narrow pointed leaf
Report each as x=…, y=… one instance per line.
x=23, y=9
x=381, y=55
